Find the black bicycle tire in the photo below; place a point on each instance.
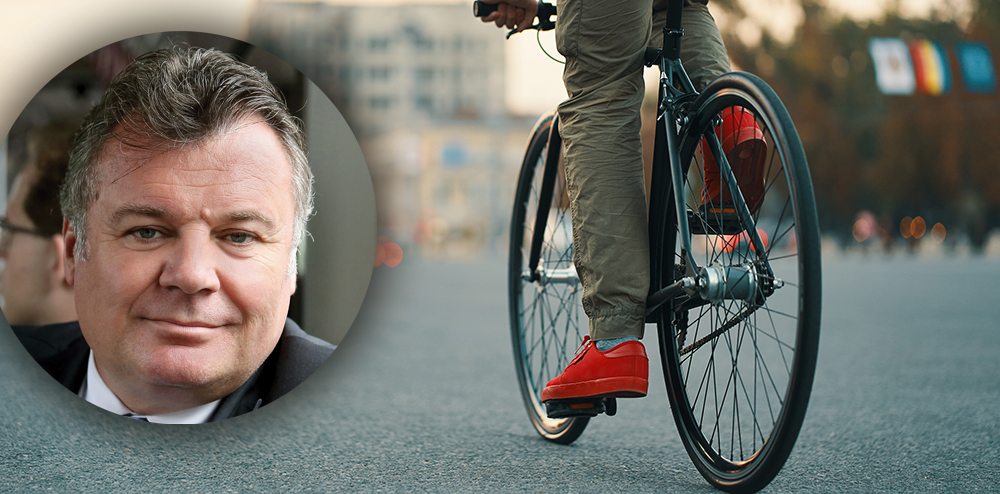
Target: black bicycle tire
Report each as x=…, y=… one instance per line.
x=562, y=431
x=756, y=472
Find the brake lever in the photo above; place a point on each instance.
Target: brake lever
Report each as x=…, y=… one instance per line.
x=544, y=15
x=515, y=31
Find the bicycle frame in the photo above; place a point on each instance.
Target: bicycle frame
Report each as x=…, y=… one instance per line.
x=545, y=197
x=666, y=159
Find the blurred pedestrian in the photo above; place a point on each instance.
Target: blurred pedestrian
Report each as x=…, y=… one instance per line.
x=33, y=283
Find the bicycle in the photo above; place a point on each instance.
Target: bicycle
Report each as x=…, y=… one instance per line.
x=734, y=292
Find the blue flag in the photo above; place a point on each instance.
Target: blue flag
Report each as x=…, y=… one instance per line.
x=976, y=62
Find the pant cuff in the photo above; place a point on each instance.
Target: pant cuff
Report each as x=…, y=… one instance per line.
x=624, y=323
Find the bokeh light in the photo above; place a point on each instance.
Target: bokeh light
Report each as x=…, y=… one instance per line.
x=864, y=226
x=861, y=230
x=918, y=227
x=387, y=252
x=938, y=232
x=904, y=227
x=393, y=254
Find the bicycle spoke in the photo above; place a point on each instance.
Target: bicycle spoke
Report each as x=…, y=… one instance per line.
x=778, y=258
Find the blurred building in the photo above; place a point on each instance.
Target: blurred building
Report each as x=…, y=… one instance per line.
x=449, y=187
x=422, y=86
x=388, y=67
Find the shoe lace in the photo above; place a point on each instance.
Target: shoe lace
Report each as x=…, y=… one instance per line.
x=581, y=350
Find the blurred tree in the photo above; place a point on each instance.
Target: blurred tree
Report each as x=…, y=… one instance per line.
x=894, y=155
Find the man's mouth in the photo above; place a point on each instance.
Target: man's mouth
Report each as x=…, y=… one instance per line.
x=193, y=324
x=185, y=332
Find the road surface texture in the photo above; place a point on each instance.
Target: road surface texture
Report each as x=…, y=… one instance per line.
x=422, y=396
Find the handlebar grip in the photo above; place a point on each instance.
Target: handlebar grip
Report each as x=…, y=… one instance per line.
x=483, y=9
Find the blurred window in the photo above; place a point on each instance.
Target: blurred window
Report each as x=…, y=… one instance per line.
x=379, y=73
x=423, y=44
x=424, y=74
x=424, y=102
x=380, y=102
x=379, y=44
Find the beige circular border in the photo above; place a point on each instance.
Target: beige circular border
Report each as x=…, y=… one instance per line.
x=39, y=39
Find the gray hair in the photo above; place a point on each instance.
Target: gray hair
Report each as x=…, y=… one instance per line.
x=176, y=96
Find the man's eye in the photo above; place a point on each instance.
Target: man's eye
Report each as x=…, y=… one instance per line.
x=240, y=238
x=145, y=233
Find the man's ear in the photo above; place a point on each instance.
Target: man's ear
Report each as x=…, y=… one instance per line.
x=68, y=253
x=57, y=269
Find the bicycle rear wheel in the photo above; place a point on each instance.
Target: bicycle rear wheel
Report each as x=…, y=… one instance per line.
x=547, y=321
x=739, y=369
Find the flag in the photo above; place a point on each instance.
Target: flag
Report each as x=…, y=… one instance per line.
x=976, y=62
x=931, y=67
x=893, y=68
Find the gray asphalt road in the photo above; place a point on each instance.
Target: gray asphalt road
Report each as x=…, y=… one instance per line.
x=422, y=396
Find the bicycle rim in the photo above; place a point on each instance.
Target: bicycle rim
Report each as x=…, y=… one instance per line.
x=547, y=319
x=739, y=372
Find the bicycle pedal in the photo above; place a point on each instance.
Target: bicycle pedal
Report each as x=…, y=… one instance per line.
x=711, y=219
x=580, y=407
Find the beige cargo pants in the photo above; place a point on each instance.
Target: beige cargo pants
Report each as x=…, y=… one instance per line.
x=603, y=42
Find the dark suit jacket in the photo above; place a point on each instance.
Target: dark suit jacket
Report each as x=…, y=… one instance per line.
x=61, y=350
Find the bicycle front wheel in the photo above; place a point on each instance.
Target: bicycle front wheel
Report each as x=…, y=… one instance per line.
x=739, y=366
x=547, y=321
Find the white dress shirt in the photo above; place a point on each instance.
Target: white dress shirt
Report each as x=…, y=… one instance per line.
x=95, y=391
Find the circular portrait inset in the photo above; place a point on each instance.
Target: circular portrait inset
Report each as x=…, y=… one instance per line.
x=189, y=230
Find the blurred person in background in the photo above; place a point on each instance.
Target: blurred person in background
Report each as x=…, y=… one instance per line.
x=33, y=283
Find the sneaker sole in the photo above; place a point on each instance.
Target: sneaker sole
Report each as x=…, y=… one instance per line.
x=610, y=387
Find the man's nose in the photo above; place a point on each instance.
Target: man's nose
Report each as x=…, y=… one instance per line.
x=191, y=266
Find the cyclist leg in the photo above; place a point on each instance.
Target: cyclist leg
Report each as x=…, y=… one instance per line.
x=603, y=42
x=704, y=57
x=702, y=52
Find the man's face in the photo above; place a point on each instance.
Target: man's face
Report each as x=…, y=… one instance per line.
x=29, y=260
x=186, y=282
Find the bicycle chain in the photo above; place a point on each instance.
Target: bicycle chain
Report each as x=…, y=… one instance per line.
x=725, y=327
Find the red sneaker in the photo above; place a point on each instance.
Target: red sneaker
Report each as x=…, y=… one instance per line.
x=743, y=143
x=621, y=372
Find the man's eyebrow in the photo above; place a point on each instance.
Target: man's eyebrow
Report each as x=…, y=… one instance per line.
x=129, y=210
x=252, y=216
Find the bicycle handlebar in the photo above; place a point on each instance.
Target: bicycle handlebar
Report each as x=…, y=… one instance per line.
x=545, y=13
x=483, y=9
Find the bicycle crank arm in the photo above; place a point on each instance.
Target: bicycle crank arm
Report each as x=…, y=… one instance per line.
x=654, y=301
